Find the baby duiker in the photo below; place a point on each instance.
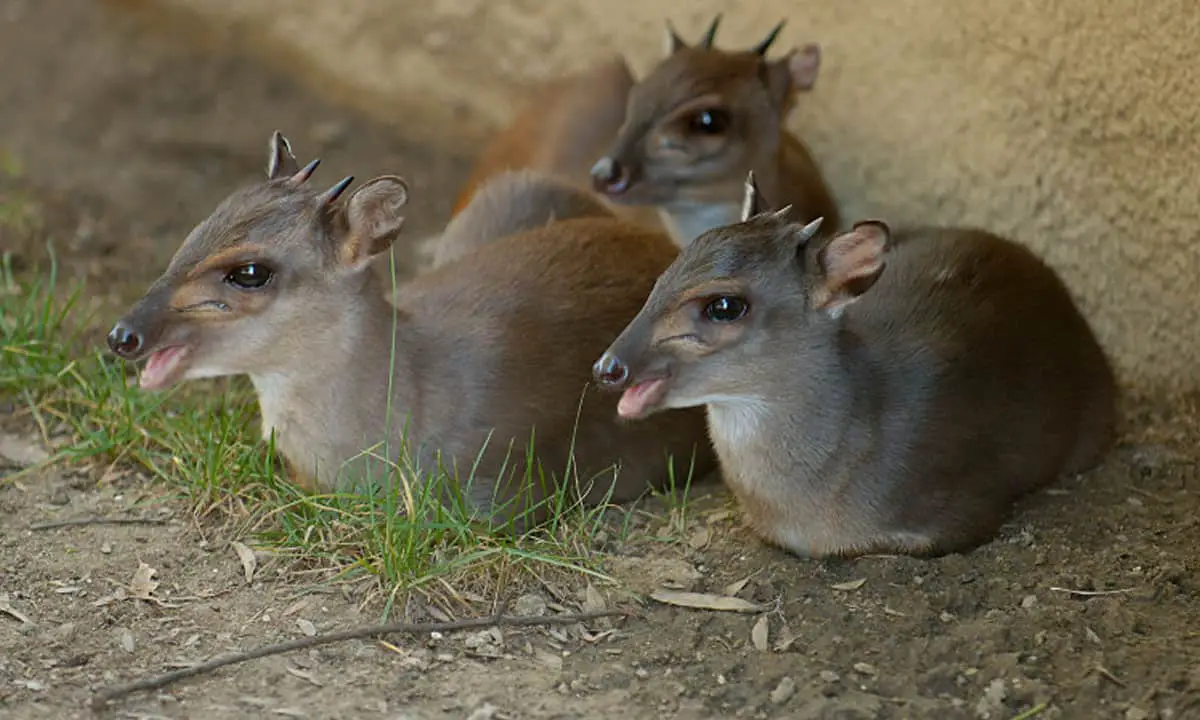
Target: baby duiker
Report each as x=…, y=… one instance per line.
x=873, y=391
x=472, y=359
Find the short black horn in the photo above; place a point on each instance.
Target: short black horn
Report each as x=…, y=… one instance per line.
x=765, y=44
x=711, y=35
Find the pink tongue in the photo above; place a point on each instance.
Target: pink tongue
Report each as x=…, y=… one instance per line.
x=160, y=366
x=638, y=399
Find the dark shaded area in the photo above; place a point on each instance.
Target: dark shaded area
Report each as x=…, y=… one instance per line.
x=128, y=133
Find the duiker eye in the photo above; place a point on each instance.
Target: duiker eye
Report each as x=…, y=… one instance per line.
x=713, y=121
x=726, y=309
x=250, y=276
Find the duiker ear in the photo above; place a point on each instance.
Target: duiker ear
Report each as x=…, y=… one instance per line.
x=803, y=66
x=373, y=219
x=795, y=72
x=850, y=263
x=280, y=160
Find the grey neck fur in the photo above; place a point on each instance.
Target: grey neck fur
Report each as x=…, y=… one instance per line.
x=685, y=220
x=299, y=402
x=792, y=446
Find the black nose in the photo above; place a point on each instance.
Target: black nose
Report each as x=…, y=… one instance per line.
x=610, y=176
x=124, y=341
x=609, y=370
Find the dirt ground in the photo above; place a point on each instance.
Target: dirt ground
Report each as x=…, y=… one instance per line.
x=1087, y=605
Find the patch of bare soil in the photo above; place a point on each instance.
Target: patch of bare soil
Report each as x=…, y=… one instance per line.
x=1088, y=602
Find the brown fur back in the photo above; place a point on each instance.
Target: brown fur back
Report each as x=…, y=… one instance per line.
x=562, y=129
x=557, y=296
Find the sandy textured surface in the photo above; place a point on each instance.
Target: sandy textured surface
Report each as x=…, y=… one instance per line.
x=1069, y=126
x=1086, y=605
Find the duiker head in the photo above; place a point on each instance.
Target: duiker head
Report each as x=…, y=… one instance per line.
x=701, y=120
x=736, y=296
x=273, y=265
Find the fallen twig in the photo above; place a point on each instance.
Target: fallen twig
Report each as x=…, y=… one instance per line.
x=101, y=698
x=1092, y=593
x=1106, y=674
x=79, y=522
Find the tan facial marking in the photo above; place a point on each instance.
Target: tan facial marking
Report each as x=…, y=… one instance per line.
x=226, y=258
x=708, y=289
x=704, y=102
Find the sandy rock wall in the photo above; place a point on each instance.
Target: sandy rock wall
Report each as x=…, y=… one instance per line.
x=1069, y=126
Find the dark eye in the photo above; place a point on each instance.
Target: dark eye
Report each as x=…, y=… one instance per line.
x=709, y=122
x=725, y=309
x=250, y=276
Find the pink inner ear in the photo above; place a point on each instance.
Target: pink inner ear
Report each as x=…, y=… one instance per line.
x=804, y=65
x=855, y=255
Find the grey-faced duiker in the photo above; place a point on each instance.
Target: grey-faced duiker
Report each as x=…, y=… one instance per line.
x=872, y=391
x=492, y=349
x=559, y=129
x=703, y=118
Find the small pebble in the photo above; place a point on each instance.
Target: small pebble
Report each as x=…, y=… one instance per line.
x=530, y=605
x=783, y=691
x=865, y=668
x=830, y=676
x=1028, y=601
x=106, y=548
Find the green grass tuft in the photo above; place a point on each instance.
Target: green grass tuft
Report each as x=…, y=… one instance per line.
x=206, y=446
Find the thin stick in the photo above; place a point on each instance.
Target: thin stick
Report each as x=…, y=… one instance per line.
x=101, y=698
x=79, y=522
x=1104, y=672
x=1092, y=593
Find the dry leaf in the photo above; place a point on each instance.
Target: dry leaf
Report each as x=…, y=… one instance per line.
x=306, y=627
x=852, y=585
x=7, y=608
x=700, y=538
x=143, y=584
x=249, y=562
x=116, y=596
x=734, y=588
x=706, y=601
x=593, y=601
x=785, y=640
x=758, y=635
x=125, y=639
x=303, y=675
x=719, y=516
x=296, y=606
x=597, y=637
